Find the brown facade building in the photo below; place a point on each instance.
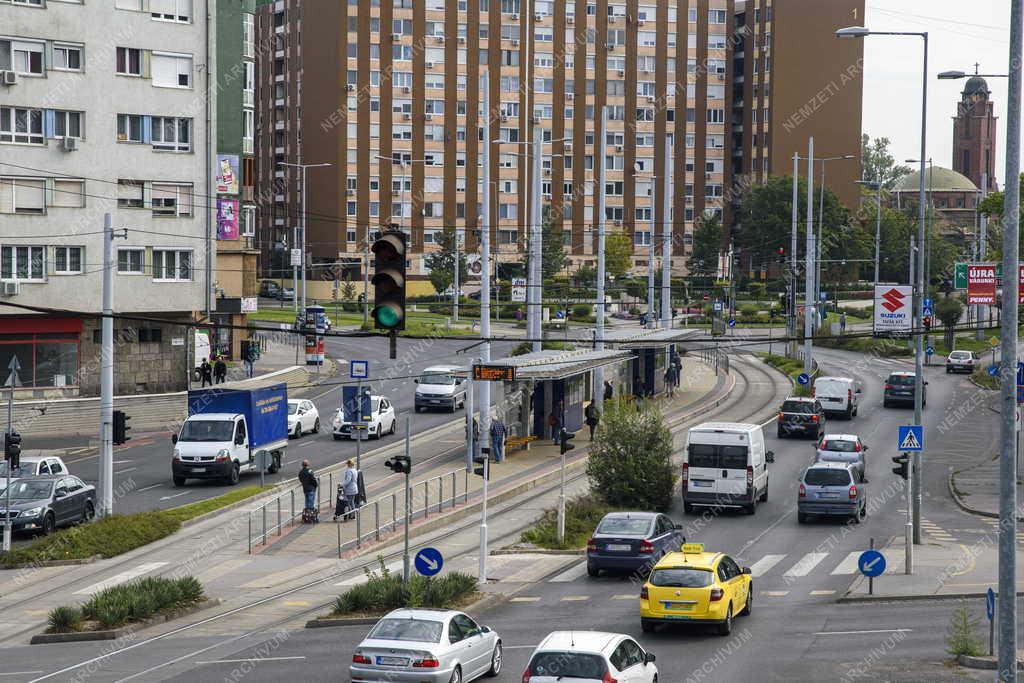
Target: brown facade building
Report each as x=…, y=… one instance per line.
x=974, y=134
x=715, y=93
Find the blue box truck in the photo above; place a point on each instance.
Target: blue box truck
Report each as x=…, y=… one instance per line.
x=230, y=432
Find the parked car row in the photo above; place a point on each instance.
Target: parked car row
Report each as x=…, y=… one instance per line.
x=44, y=495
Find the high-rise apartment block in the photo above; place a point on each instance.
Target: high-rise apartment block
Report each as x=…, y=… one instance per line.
x=710, y=92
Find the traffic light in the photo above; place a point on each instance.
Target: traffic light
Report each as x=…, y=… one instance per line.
x=563, y=441
x=927, y=323
x=400, y=464
x=12, y=449
x=903, y=462
x=781, y=258
x=389, y=281
x=484, y=460
x=121, y=427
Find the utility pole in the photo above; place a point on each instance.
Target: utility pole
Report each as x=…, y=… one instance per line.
x=919, y=295
x=536, y=287
x=13, y=382
x=406, y=568
x=810, y=303
x=792, y=256
x=599, y=148
x=878, y=229
x=455, y=286
x=982, y=246
x=106, y=462
x=666, y=246
x=485, y=275
x=1007, y=609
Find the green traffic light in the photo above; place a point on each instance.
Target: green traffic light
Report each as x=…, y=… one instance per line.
x=387, y=316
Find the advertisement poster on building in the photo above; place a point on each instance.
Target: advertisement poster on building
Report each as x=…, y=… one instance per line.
x=227, y=219
x=893, y=310
x=227, y=174
x=981, y=283
x=474, y=265
x=1020, y=286
x=519, y=289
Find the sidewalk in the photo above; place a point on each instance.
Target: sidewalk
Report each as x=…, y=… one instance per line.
x=976, y=489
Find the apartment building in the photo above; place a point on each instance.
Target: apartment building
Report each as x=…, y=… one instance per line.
x=103, y=110
x=235, y=286
x=709, y=92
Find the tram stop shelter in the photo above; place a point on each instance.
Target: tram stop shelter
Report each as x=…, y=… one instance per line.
x=650, y=351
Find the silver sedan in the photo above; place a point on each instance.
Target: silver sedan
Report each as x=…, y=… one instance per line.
x=435, y=645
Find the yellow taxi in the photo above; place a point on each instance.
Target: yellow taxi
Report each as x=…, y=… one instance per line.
x=697, y=587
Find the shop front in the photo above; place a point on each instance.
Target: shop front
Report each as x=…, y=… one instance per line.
x=45, y=349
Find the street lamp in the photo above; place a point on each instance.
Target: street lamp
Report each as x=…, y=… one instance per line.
x=650, y=244
x=877, y=187
x=927, y=246
x=914, y=504
x=302, y=244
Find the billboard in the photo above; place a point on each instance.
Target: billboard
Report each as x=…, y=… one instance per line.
x=227, y=174
x=981, y=283
x=227, y=219
x=893, y=309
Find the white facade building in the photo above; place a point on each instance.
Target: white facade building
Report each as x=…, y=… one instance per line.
x=103, y=109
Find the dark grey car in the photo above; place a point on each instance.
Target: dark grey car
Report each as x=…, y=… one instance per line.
x=45, y=503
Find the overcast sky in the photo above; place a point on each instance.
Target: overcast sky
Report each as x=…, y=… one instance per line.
x=960, y=34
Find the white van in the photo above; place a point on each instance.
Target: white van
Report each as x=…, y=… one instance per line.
x=837, y=395
x=439, y=387
x=725, y=465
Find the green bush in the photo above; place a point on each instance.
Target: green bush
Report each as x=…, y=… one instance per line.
x=961, y=636
x=582, y=311
x=64, y=619
x=384, y=591
x=630, y=462
x=139, y=600
x=749, y=310
x=581, y=517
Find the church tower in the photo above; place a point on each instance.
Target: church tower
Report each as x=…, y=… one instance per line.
x=974, y=133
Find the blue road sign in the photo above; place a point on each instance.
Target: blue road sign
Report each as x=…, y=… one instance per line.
x=927, y=306
x=732, y=322
x=717, y=306
x=824, y=296
x=352, y=408
x=359, y=369
x=1020, y=373
x=990, y=604
x=993, y=370
x=429, y=561
x=910, y=438
x=803, y=378
x=871, y=563
x=930, y=350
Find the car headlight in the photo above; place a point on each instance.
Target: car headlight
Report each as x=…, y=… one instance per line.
x=223, y=454
x=34, y=512
x=177, y=453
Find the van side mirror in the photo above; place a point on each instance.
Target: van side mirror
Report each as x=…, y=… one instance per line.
x=746, y=570
x=769, y=456
x=416, y=381
x=174, y=438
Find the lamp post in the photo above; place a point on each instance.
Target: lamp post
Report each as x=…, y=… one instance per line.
x=877, y=187
x=929, y=217
x=302, y=242
x=861, y=32
x=650, y=245
x=821, y=218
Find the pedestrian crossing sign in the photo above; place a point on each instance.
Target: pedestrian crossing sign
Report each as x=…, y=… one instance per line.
x=911, y=438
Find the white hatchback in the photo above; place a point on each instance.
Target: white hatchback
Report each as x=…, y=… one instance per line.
x=590, y=657
x=382, y=421
x=302, y=417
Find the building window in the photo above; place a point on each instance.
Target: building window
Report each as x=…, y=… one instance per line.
x=67, y=124
x=170, y=199
x=129, y=61
x=171, y=10
x=67, y=260
x=172, y=70
x=47, y=360
x=21, y=125
x=129, y=194
x=23, y=195
x=172, y=265
x=172, y=134
x=67, y=57
x=248, y=36
x=22, y=56
x=22, y=263
x=716, y=16
x=130, y=261
x=248, y=228
x=130, y=128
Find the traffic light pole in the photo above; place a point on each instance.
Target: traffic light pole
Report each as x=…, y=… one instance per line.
x=408, y=501
x=561, y=492
x=485, y=275
x=908, y=528
x=483, y=524
x=10, y=470
x=792, y=256
x=106, y=462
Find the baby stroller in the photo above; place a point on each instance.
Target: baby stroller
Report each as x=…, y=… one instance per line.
x=343, y=505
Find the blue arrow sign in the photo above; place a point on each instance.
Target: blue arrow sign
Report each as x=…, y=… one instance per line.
x=803, y=378
x=732, y=322
x=1020, y=373
x=910, y=438
x=993, y=370
x=990, y=604
x=930, y=350
x=429, y=561
x=359, y=369
x=927, y=306
x=871, y=563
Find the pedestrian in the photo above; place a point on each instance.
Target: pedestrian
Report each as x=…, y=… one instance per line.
x=206, y=373
x=592, y=418
x=842, y=323
x=639, y=392
x=609, y=392
x=670, y=380
x=556, y=427
x=309, y=485
x=677, y=363
x=220, y=370
x=476, y=436
x=350, y=489
x=498, y=435
x=250, y=360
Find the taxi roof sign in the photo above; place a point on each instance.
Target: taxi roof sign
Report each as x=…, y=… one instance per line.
x=693, y=548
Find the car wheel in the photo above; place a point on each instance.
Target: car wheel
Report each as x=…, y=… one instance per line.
x=646, y=625
x=274, y=465
x=948, y=371
x=417, y=409
x=849, y=413
x=864, y=510
x=316, y=426
x=780, y=433
x=233, y=475
x=749, y=607
x=801, y=518
x=725, y=628
x=495, y=661
x=764, y=494
x=88, y=512
x=178, y=482
x=392, y=430
x=593, y=571
x=49, y=524
x=456, y=676
x=688, y=509
x=380, y=428
x=337, y=437
x=298, y=430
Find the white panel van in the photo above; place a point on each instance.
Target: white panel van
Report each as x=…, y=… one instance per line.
x=725, y=465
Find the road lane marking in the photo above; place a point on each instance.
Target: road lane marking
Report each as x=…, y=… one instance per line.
x=361, y=578
x=764, y=565
x=624, y=597
x=848, y=565
x=295, y=603
x=806, y=564
x=872, y=632
x=775, y=594
x=150, y=488
x=123, y=577
x=524, y=599
x=127, y=469
x=823, y=592
x=252, y=659
x=19, y=673
x=572, y=573
x=575, y=598
x=176, y=495
x=76, y=451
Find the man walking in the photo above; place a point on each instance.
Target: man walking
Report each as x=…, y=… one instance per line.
x=206, y=373
x=309, y=485
x=842, y=323
x=670, y=380
x=592, y=418
x=677, y=363
x=608, y=390
x=220, y=370
x=250, y=360
x=498, y=434
x=555, y=420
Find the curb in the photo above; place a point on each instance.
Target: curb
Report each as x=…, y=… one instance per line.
x=970, y=509
x=52, y=563
x=538, y=551
x=989, y=663
x=485, y=602
x=861, y=599
x=118, y=633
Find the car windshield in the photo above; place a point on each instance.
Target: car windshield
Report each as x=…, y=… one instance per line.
x=420, y=630
x=29, y=489
x=207, y=430
x=568, y=665
x=293, y=408
x=680, y=578
x=839, y=445
x=624, y=526
x=375, y=406
x=902, y=380
x=797, y=407
x=438, y=378
x=826, y=477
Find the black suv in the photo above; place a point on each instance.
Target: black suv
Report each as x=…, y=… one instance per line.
x=803, y=416
x=899, y=388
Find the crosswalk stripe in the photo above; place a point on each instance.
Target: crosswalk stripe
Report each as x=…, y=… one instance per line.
x=765, y=564
x=572, y=573
x=775, y=594
x=123, y=577
x=823, y=592
x=624, y=597
x=524, y=599
x=575, y=598
x=806, y=564
x=848, y=565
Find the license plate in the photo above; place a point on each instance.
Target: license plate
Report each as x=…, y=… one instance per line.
x=198, y=469
x=434, y=400
x=835, y=400
x=676, y=606
x=830, y=496
x=698, y=483
x=617, y=547
x=392, y=661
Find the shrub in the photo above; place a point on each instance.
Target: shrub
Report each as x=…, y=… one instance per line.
x=581, y=517
x=384, y=591
x=961, y=636
x=630, y=458
x=64, y=619
x=581, y=311
x=749, y=310
x=139, y=600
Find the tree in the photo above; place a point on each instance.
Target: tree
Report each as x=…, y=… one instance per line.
x=948, y=310
x=878, y=164
x=992, y=206
x=618, y=254
x=441, y=263
x=553, y=248
x=630, y=462
x=707, y=243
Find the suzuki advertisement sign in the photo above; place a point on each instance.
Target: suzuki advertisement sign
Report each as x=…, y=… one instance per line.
x=893, y=309
x=981, y=283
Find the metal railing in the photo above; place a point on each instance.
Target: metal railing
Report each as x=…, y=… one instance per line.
x=425, y=497
x=716, y=358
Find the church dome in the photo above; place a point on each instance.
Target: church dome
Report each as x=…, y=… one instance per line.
x=976, y=85
x=942, y=180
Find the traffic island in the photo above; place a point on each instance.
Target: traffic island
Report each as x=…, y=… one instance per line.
x=988, y=663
